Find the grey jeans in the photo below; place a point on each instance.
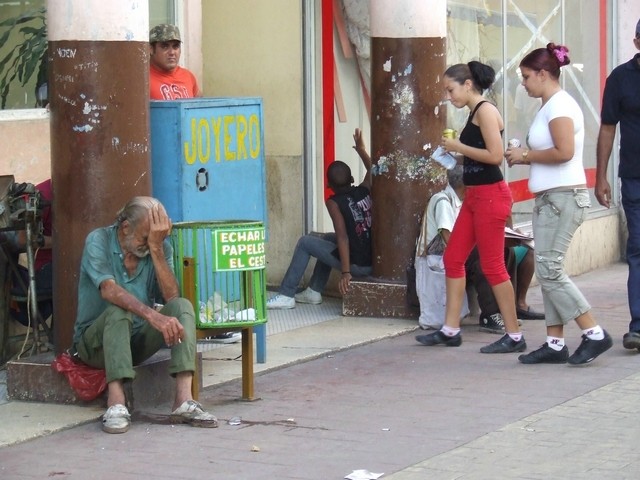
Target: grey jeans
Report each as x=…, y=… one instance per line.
x=556, y=217
x=320, y=247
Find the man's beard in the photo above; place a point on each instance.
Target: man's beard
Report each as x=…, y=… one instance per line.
x=139, y=252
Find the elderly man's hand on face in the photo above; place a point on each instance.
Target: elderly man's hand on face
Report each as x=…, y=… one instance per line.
x=159, y=226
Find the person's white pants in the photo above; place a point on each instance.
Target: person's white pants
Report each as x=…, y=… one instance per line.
x=432, y=292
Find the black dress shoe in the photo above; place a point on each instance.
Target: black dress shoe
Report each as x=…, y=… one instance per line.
x=439, y=338
x=529, y=314
x=589, y=349
x=631, y=340
x=505, y=345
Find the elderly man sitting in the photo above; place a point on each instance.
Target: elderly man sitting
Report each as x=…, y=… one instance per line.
x=126, y=268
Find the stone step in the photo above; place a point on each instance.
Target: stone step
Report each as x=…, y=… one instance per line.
x=32, y=379
x=379, y=299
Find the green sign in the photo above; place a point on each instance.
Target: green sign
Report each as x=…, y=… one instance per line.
x=239, y=249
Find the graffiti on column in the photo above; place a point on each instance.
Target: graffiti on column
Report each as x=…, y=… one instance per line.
x=401, y=163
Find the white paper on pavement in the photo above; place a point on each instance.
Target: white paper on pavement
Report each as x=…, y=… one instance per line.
x=363, y=475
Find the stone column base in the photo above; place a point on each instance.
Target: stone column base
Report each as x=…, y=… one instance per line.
x=376, y=298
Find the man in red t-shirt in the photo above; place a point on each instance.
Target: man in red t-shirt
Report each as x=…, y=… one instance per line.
x=168, y=80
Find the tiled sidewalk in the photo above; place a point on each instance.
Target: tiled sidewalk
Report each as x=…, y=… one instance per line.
x=390, y=405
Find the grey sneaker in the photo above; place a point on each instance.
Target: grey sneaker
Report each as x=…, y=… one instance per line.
x=116, y=419
x=191, y=412
x=281, y=302
x=309, y=296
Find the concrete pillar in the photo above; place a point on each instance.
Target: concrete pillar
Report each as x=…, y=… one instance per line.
x=99, y=101
x=408, y=57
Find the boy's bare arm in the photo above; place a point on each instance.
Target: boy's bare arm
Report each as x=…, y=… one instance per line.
x=361, y=149
x=342, y=239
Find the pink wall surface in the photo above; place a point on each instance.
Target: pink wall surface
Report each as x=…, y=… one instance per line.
x=25, y=149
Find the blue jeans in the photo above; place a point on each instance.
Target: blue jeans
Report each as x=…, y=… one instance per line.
x=631, y=204
x=556, y=217
x=321, y=248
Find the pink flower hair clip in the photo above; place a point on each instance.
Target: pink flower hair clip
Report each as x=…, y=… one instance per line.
x=561, y=53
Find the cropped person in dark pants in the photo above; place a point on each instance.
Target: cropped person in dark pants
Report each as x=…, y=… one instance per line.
x=621, y=104
x=520, y=264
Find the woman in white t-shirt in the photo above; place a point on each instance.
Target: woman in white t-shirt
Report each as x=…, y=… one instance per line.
x=554, y=151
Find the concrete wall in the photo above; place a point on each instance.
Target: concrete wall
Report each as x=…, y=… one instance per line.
x=25, y=151
x=261, y=55
x=627, y=16
x=596, y=244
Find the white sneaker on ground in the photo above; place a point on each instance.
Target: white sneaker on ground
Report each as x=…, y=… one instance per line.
x=281, y=302
x=191, y=412
x=309, y=296
x=116, y=419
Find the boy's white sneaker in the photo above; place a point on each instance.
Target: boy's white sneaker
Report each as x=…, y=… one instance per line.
x=309, y=296
x=281, y=302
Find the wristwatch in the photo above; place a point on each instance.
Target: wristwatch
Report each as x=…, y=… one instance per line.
x=525, y=154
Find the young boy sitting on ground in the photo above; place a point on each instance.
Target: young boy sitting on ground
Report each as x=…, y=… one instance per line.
x=347, y=249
